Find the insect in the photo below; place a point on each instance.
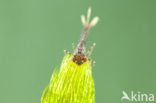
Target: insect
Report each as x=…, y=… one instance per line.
x=72, y=82
x=80, y=55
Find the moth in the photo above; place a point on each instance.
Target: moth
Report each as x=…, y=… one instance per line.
x=72, y=82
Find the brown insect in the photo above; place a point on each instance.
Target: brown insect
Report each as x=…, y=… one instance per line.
x=80, y=55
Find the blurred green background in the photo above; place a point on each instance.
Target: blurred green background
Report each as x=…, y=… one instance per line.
x=34, y=33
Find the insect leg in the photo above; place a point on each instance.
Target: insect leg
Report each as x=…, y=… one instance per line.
x=90, y=50
x=92, y=61
x=73, y=46
x=67, y=52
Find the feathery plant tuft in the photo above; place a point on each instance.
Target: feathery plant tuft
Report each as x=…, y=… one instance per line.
x=73, y=81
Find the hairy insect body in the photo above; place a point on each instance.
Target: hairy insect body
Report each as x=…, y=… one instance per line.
x=80, y=55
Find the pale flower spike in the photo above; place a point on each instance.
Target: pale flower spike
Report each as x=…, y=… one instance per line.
x=87, y=23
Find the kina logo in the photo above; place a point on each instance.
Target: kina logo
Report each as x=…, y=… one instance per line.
x=137, y=96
